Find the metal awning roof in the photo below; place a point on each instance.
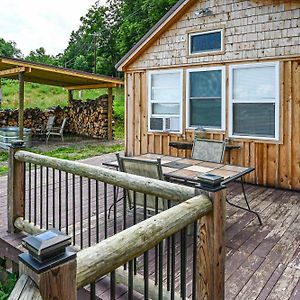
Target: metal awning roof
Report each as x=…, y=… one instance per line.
x=56, y=76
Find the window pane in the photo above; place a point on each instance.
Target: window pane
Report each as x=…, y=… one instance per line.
x=165, y=109
x=206, y=42
x=166, y=87
x=254, y=83
x=206, y=84
x=254, y=119
x=165, y=80
x=166, y=94
x=205, y=112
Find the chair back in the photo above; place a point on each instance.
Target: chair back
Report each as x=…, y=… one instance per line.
x=50, y=123
x=209, y=150
x=145, y=168
x=63, y=125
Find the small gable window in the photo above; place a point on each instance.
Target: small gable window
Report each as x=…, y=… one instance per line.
x=209, y=41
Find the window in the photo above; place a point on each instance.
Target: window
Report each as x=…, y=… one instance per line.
x=254, y=101
x=206, y=42
x=165, y=97
x=206, y=98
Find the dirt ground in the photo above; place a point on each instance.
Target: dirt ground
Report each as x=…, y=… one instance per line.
x=69, y=141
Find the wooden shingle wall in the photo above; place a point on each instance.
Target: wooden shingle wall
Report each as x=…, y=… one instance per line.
x=253, y=29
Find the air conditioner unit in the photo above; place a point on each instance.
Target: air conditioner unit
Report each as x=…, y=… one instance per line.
x=165, y=123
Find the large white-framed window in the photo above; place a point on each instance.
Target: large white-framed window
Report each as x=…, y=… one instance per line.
x=206, y=42
x=206, y=98
x=254, y=101
x=165, y=100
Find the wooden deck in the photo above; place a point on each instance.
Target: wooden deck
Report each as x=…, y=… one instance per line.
x=262, y=262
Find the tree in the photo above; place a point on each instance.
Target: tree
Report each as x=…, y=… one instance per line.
x=114, y=29
x=9, y=49
x=39, y=55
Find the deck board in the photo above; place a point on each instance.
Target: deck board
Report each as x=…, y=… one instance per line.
x=262, y=262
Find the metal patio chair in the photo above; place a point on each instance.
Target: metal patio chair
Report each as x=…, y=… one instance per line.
x=145, y=168
x=43, y=130
x=209, y=150
x=213, y=151
x=57, y=130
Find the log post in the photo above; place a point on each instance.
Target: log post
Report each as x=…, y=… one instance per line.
x=70, y=97
x=21, y=105
x=54, y=276
x=15, y=186
x=211, y=249
x=109, y=114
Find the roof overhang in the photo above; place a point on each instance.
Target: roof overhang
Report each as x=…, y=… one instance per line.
x=161, y=26
x=56, y=76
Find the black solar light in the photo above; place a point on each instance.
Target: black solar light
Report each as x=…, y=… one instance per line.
x=46, y=250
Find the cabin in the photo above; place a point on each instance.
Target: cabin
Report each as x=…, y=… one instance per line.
x=231, y=68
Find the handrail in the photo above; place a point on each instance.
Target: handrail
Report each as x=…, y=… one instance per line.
x=159, y=188
x=108, y=255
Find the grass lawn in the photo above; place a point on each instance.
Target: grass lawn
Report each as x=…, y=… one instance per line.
x=44, y=96
x=75, y=153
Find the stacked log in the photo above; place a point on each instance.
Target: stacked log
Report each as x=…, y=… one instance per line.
x=87, y=118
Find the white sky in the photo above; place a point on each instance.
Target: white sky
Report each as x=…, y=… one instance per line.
x=41, y=23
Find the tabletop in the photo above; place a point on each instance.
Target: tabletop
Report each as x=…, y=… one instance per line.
x=188, y=170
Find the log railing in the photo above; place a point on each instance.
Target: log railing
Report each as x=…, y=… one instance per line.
x=145, y=254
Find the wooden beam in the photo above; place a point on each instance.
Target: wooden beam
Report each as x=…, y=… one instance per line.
x=109, y=114
x=110, y=254
x=21, y=105
x=91, y=86
x=11, y=72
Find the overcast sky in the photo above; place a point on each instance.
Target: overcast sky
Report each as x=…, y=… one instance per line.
x=41, y=23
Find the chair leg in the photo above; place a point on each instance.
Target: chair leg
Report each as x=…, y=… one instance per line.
x=248, y=205
x=47, y=138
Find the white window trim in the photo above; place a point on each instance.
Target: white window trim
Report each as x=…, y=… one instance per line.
x=170, y=71
x=276, y=101
x=223, y=99
x=202, y=33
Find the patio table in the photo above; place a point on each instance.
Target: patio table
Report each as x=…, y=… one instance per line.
x=186, y=171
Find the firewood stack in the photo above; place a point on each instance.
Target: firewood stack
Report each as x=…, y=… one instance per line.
x=84, y=118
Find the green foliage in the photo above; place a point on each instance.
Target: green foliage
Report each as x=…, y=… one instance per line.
x=114, y=28
x=3, y=157
x=3, y=170
x=7, y=283
x=81, y=63
x=39, y=56
x=9, y=49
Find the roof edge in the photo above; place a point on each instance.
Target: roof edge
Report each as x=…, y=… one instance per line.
x=27, y=63
x=158, y=28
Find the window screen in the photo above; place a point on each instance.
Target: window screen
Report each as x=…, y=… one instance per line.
x=206, y=42
x=165, y=97
x=254, y=97
x=206, y=99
